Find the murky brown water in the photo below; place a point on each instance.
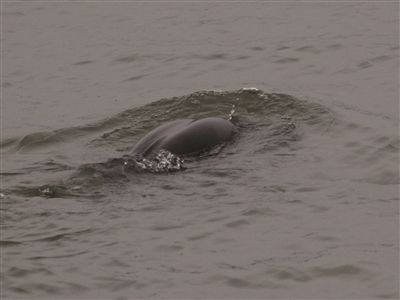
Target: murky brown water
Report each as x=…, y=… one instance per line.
x=304, y=203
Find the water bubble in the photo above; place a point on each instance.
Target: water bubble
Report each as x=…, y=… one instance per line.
x=230, y=116
x=46, y=191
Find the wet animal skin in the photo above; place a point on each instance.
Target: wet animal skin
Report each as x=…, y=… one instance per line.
x=185, y=137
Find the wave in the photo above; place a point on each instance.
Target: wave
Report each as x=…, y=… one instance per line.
x=266, y=122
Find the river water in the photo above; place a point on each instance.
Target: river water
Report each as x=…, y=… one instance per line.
x=303, y=203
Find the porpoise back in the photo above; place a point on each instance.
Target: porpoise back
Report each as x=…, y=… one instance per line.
x=185, y=137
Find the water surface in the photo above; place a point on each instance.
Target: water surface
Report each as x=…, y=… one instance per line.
x=302, y=203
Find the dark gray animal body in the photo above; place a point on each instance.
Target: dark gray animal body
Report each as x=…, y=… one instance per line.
x=185, y=137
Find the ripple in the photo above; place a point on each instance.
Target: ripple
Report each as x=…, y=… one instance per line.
x=136, y=77
x=169, y=248
x=44, y=257
x=257, y=48
x=83, y=62
x=19, y=272
x=384, y=177
x=261, y=211
x=199, y=236
x=237, y=223
x=309, y=49
x=286, y=60
x=339, y=271
x=5, y=243
x=215, y=56
x=129, y=58
x=62, y=236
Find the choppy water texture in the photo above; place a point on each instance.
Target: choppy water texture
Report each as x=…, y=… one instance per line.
x=302, y=203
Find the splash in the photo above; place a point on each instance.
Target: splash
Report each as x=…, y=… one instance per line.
x=232, y=112
x=163, y=162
